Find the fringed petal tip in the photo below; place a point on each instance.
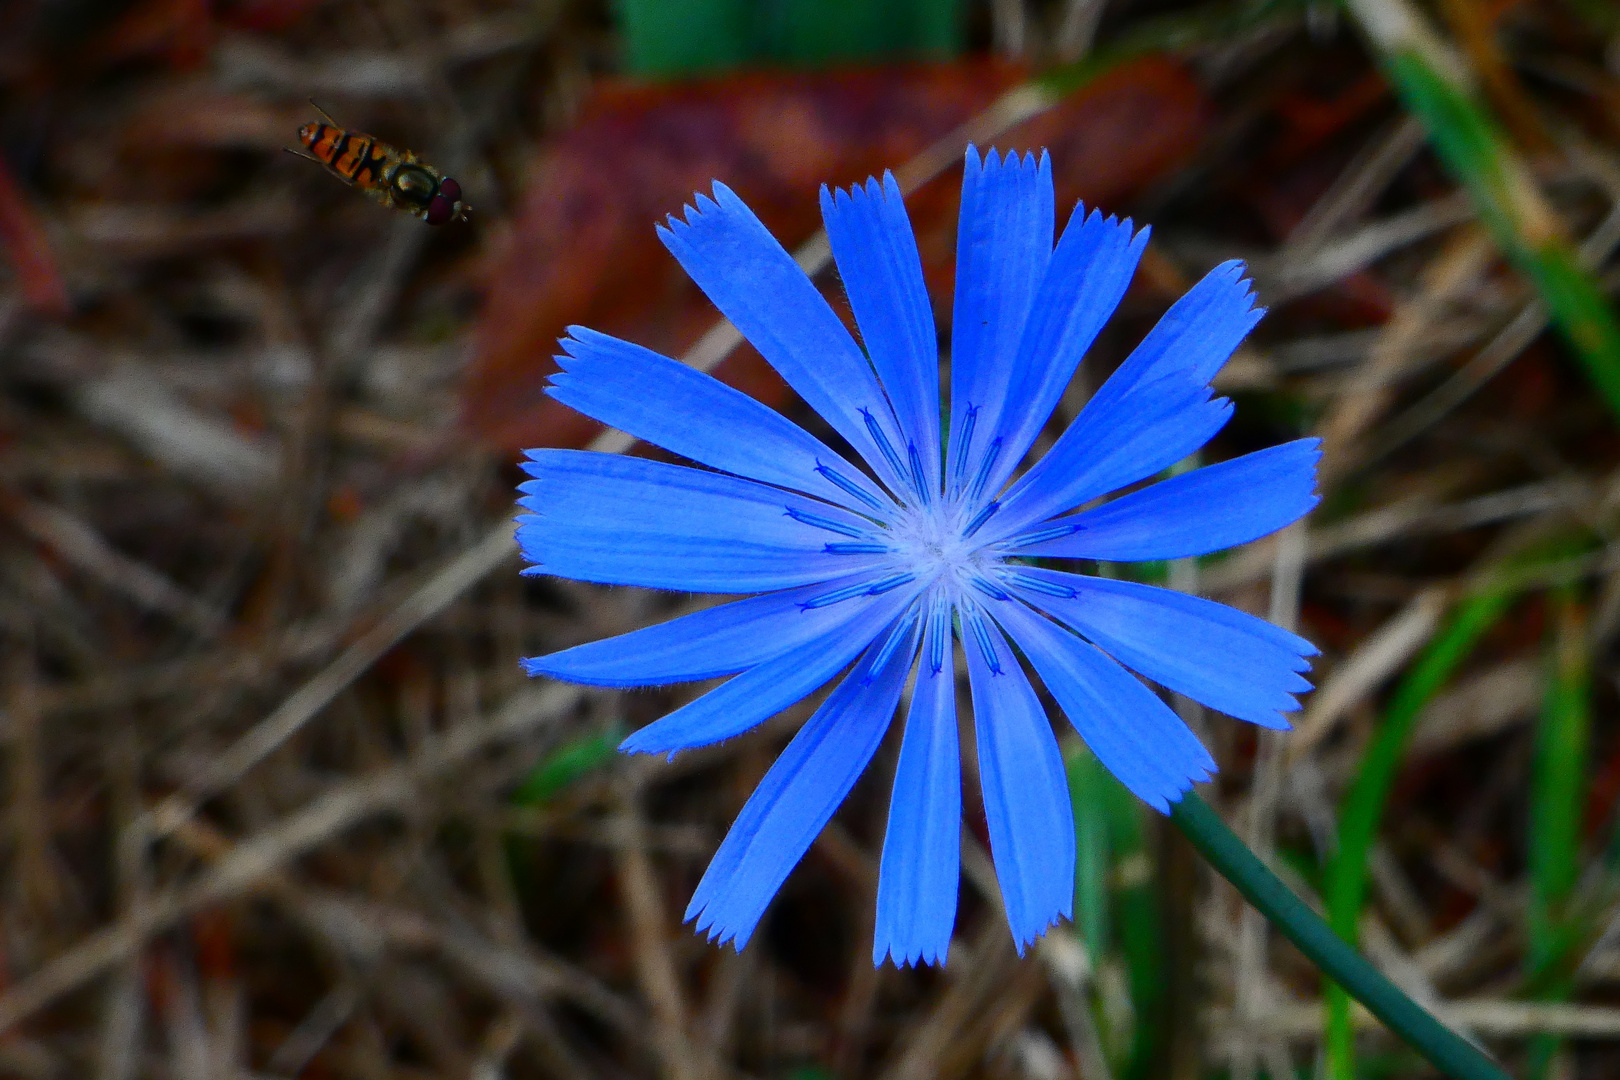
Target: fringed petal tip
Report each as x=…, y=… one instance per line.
x=630, y=744
x=993, y=159
x=875, y=189
x=1274, y=721
x=523, y=535
x=637, y=742
x=723, y=199
x=1022, y=943
x=707, y=913
x=1309, y=450
x=1164, y=801
x=916, y=957
x=1234, y=274
x=1167, y=791
x=705, y=922
x=547, y=667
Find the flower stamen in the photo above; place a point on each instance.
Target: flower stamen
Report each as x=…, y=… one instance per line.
x=959, y=452
x=984, y=469
x=889, y=584
x=917, y=476
x=979, y=519
x=874, y=429
x=1041, y=585
x=848, y=485
x=981, y=636
x=898, y=636
x=939, y=617
x=825, y=523
x=988, y=587
x=1040, y=536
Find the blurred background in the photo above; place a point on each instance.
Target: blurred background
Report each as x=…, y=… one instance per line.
x=277, y=801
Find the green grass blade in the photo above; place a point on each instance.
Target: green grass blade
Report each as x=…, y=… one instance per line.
x=1089, y=795
x=567, y=763
x=1432, y=80
x=664, y=38
x=1138, y=915
x=1197, y=27
x=680, y=37
x=1363, y=807
x=1346, y=882
x=1116, y=904
x=1558, y=789
x=814, y=32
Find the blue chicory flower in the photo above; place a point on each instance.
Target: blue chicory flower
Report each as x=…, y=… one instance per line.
x=876, y=569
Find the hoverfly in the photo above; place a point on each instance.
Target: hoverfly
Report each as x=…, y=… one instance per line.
x=396, y=178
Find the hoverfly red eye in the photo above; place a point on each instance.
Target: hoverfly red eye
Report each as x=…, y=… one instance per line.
x=450, y=189
x=439, y=210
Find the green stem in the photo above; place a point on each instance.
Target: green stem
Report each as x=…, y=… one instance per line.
x=1444, y=1048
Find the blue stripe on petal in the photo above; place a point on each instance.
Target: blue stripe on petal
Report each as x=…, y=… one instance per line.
x=629, y=521
x=917, y=884
x=1088, y=274
x=720, y=640
x=876, y=252
x=1003, y=244
x=1134, y=734
x=766, y=689
x=1205, y=510
x=1026, y=794
x=1215, y=654
x=756, y=284
x=795, y=800
x=695, y=415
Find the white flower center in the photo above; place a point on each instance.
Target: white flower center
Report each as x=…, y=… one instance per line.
x=930, y=542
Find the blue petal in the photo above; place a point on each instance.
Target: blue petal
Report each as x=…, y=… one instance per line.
x=1151, y=412
x=1026, y=793
x=628, y=521
x=1134, y=734
x=1225, y=658
x=1107, y=449
x=1197, y=512
x=1088, y=274
x=767, y=688
x=697, y=416
x=1195, y=337
x=756, y=284
x=1003, y=243
x=795, y=800
x=720, y=640
x=917, y=885
x=877, y=258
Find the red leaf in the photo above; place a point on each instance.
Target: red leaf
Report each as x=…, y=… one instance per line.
x=25, y=245
x=583, y=250
x=181, y=31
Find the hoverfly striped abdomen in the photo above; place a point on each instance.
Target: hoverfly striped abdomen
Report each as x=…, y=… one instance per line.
x=393, y=177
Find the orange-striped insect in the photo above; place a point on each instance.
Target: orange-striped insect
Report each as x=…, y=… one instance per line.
x=396, y=178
